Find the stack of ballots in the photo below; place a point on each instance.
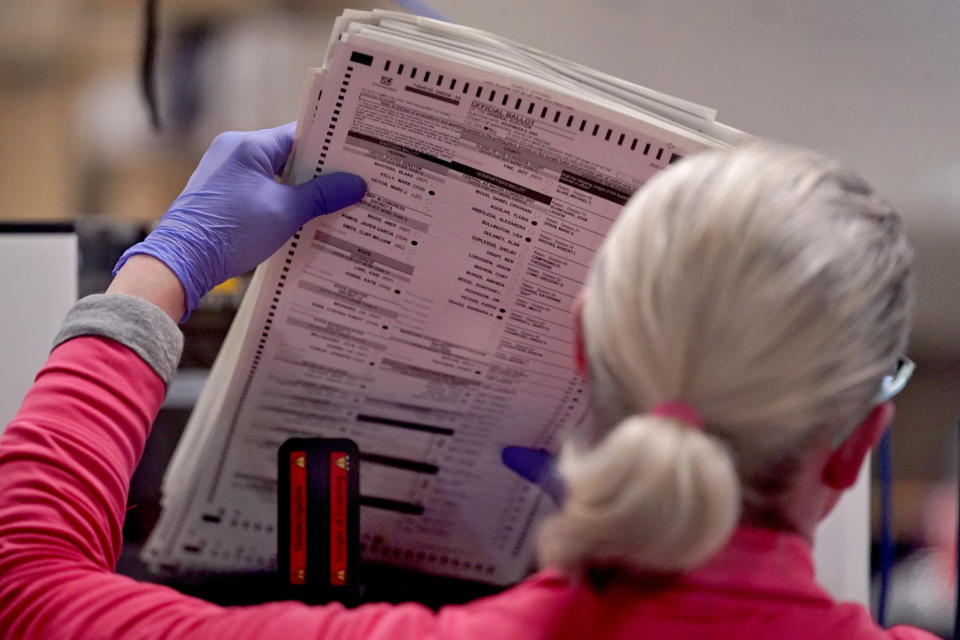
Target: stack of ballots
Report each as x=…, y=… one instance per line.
x=431, y=322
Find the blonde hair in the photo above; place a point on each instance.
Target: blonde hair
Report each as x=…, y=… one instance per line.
x=766, y=287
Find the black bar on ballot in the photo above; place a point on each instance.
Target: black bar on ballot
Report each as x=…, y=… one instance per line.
x=405, y=424
x=361, y=58
x=427, y=94
x=391, y=505
x=400, y=463
x=500, y=182
x=459, y=167
x=593, y=187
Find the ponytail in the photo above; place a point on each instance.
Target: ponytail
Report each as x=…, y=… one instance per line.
x=654, y=494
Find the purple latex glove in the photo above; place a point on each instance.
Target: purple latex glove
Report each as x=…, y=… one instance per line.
x=233, y=214
x=537, y=466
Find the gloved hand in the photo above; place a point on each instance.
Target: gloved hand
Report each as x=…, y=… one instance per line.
x=233, y=214
x=537, y=466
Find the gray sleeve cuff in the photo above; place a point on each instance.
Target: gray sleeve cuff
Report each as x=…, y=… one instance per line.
x=131, y=321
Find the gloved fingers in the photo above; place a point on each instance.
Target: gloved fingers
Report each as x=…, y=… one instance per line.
x=277, y=145
x=536, y=466
x=265, y=150
x=528, y=462
x=324, y=194
x=213, y=159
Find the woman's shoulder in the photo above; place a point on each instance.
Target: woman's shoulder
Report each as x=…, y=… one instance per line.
x=854, y=621
x=527, y=610
x=550, y=605
x=903, y=632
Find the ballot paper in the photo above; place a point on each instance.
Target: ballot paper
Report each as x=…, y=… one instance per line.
x=431, y=322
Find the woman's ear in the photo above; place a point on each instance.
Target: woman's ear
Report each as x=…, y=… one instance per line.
x=579, y=346
x=843, y=465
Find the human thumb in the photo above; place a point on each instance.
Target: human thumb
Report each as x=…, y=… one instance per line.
x=325, y=194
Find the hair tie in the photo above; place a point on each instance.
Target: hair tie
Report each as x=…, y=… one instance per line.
x=678, y=411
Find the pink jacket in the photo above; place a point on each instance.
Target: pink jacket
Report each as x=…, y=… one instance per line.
x=65, y=464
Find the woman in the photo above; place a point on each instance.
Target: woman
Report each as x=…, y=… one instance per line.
x=738, y=329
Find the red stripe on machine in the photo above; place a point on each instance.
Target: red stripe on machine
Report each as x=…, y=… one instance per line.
x=298, y=517
x=339, y=466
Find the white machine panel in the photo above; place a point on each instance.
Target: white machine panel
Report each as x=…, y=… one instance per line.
x=38, y=284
